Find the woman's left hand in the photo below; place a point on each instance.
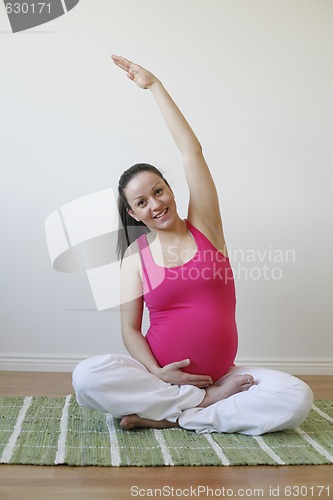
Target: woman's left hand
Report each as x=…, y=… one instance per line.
x=143, y=78
x=173, y=374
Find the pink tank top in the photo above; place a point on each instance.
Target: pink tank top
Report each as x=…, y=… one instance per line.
x=191, y=309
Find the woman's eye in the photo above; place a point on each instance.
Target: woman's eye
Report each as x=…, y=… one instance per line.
x=140, y=203
x=158, y=191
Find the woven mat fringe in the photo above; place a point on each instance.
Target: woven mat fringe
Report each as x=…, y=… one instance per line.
x=54, y=431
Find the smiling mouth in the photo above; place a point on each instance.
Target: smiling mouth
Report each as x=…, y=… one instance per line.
x=160, y=215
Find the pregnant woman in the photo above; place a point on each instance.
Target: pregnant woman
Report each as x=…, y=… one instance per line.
x=182, y=372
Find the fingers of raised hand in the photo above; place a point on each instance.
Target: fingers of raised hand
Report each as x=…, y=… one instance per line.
x=125, y=64
x=130, y=74
x=121, y=62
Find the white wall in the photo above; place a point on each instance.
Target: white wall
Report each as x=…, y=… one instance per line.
x=254, y=78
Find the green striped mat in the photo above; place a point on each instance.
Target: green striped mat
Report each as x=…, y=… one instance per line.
x=52, y=431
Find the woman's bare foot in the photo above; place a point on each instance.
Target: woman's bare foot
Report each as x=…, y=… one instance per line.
x=133, y=422
x=225, y=387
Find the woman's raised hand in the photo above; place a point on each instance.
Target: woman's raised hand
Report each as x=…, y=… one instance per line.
x=143, y=78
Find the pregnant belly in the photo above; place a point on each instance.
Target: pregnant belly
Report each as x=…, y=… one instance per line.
x=211, y=352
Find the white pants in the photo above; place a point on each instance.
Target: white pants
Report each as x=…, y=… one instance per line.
x=120, y=385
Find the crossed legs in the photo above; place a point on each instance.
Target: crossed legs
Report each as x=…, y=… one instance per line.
x=226, y=386
x=249, y=401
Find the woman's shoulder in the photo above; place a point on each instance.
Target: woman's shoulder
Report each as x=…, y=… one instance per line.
x=210, y=232
x=132, y=254
x=131, y=269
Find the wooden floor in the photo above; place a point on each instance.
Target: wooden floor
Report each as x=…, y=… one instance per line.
x=94, y=483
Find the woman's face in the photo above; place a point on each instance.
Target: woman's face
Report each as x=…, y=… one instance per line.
x=151, y=200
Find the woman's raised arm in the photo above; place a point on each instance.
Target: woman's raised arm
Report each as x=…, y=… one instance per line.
x=203, y=210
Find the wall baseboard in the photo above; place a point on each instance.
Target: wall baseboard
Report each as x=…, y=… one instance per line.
x=293, y=366
x=67, y=364
x=38, y=363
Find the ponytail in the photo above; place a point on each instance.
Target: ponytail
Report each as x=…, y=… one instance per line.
x=129, y=230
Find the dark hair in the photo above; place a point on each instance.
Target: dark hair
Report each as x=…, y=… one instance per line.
x=130, y=228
